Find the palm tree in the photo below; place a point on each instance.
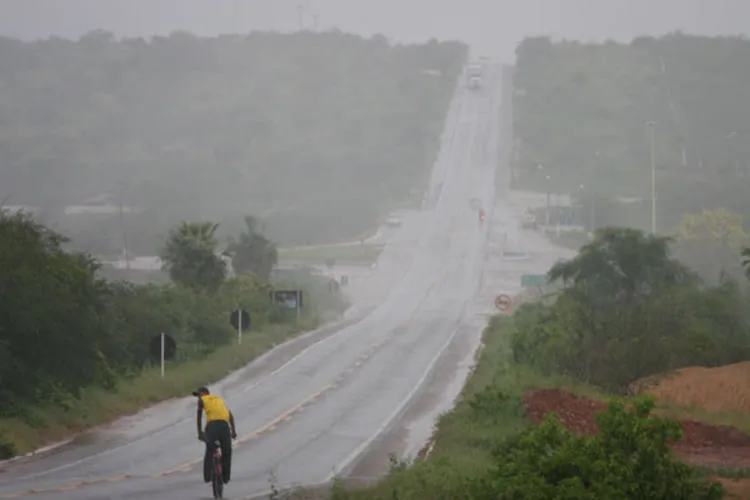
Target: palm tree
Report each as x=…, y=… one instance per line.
x=189, y=256
x=253, y=252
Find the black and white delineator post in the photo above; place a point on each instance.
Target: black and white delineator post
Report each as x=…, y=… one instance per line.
x=239, y=327
x=162, y=355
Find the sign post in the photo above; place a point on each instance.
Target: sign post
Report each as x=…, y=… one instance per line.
x=162, y=347
x=239, y=329
x=503, y=302
x=291, y=299
x=162, y=354
x=240, y=320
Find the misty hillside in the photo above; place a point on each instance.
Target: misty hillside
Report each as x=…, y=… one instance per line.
x=319, y=134
x=492, y=27
x=582, y=113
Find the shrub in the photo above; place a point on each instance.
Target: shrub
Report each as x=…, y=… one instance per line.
x=630, y=458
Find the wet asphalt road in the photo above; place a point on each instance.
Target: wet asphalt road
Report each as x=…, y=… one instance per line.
x=319, y=410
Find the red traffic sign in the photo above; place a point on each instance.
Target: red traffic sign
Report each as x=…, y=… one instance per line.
x=503, y=302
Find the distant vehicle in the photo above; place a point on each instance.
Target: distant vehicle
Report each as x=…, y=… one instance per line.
x=481, y=216
x=393, y=222
x=474, y=74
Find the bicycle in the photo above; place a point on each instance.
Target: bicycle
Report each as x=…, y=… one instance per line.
x=217, y=475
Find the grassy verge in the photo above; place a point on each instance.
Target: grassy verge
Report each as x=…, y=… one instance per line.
x=364, y=254
x=465, y=436
x=97, y=406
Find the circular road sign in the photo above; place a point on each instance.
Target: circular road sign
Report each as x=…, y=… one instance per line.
x=234, y=319
x=503, y=302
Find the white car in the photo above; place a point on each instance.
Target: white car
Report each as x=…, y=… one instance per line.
x=474, y=73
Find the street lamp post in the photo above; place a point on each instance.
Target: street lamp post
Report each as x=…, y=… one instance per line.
x=591, y=191
x=548, y=203
x=652, y=127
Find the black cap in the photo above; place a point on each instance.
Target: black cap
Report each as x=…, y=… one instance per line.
x=200, y=390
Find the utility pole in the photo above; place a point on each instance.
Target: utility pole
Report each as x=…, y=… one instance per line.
x=595, y=170
x=548, y=204
x=652, y=126
x=124, y=232
x=315, y=17
x=300, y=14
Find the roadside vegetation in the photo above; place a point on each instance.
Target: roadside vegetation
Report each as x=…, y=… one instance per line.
x=320, y=134
x=75, y=349
x=581, y=114
x=565, y=393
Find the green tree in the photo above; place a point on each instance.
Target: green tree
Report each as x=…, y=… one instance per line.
x=623, y=263
x=253, y=252
x=630, y=457
x=190, y=256
x=51, y=329
x=629, y=309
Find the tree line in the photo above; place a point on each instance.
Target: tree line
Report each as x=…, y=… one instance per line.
x=584, y=114
x=629, y=309
x=320, y=134
x=64, y=329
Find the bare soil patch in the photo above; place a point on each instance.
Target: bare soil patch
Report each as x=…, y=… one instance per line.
x=722, y=389
x=702, y=444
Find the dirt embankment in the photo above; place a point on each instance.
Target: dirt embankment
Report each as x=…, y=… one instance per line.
x=724, y=389
x=721, y=390
x=702, y=444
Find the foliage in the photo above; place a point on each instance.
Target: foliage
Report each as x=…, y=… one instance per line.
x=253, y=252
x=746, y=261
x=63, y=330
x=190, y=256
x=628, y=458
x=320, y=133
x=628, y=310
x=7, y=449
x=622, y=262
x=581, y=112
x=50, y=323
x=709, y=242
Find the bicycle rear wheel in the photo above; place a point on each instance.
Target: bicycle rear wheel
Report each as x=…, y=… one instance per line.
x=217, y=475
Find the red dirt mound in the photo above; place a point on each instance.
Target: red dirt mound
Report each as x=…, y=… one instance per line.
x=702, y=444
x=718, y=390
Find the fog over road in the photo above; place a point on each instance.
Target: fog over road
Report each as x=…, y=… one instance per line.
x=304, y=414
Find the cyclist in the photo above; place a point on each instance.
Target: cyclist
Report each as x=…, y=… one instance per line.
x=218, y=422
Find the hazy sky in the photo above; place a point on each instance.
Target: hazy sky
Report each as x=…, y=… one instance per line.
x=491, y=26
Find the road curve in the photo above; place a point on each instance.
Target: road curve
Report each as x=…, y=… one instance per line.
x=314, y=415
